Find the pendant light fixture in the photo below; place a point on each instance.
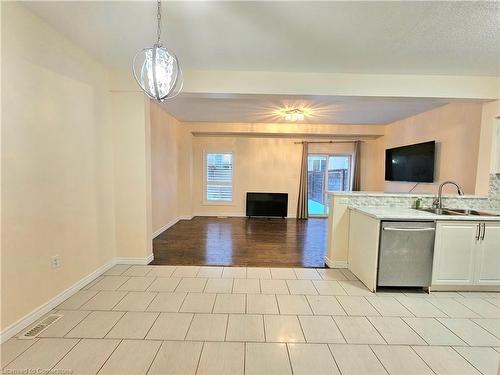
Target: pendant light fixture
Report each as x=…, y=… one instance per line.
x=157, y=70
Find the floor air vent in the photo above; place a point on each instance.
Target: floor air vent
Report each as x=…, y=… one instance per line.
x=40, y=327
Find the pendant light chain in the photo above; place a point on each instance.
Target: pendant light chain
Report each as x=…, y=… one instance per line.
x=158, y=18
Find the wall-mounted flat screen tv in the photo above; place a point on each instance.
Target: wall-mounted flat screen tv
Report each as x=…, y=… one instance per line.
x=413, y=163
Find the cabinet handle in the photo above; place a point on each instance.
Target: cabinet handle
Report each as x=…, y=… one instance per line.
x=484, y=231
x=478, y=231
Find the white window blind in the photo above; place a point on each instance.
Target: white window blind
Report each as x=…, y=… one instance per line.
x=219, y=177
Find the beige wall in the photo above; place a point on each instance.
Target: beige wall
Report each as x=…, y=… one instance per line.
x=456, y=128
x=57, y=170
x=164, y=164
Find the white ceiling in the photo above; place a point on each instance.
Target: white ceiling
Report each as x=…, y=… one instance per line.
x=325, y=110
x=433, y=37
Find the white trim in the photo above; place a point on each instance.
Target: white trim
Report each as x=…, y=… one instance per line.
x=335, y=263
x=159, y=231
x=139, y=261
x=186, y=217
x=40, y=311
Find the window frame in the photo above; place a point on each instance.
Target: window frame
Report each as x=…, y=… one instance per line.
x=205, y=182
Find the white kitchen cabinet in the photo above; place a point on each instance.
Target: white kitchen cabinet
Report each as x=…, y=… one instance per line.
x=488, y=262
x=466, y=253
x=454, y=248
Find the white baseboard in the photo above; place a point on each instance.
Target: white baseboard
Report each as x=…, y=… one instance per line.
x=335, y=263
x=186, y=217
x=40, y=311
x=159, y=231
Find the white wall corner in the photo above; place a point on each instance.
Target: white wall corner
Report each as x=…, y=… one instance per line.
x=159, y=231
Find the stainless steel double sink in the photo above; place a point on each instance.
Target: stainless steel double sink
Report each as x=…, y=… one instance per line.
x=455, y=211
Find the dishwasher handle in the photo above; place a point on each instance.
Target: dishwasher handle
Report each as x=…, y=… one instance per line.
x=408, y=229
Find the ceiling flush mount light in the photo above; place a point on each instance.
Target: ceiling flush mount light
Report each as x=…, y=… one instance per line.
x=294, y=114
x=157, y=69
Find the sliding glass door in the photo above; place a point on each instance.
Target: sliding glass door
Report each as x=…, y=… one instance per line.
x=326, y=173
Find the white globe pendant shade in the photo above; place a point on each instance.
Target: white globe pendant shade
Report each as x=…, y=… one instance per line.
x=158, y=73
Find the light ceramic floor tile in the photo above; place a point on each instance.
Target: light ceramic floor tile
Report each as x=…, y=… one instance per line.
x=388, y=306
x=348, y=274
x=433, y=332
x=170, y=326
x=355, y=288
x=164, y=284
x=274, y=287
x=307, y=359
x=131, y=357
x=234, y=272
x=420, y=307
x=93, y=282
x=186, y=271
x=137, y=284
x=331, y=274
x=96, y=325
x=293, y=305
x=356, y=360
x=320, y=329
x=230, y=303
x=279, y=328
x=117, y=270
x=494, y=301
x=357, y=306
x=192, y=284
x=444, y=294
x=283, y=273
x=198, y=302
x=176, y=358
x=213, y=272
x=12, y=348
x=69, y=320
x=258, y=273
x=88, y=356
x=329, y=288
x=162, y=271
x=358, y=330
x=470, y=332
x=481, y=307
x=219, y=286
x=395, y=331
x=401, y=360
x=246, y=286
x=301, y=287
x=167, y=302
x=483, y=359
x=109, y=283
x=43, y=354
x=491, y=325
x=307, y=274
x=104, y=300
x=138, y=271
x=325, y=305
x=248, y=328
x=444, y=360
x=208, y=327
x=77, y=300
x=474, y=294
x=135, y=301
x=452, y=308
x=222, y=358
x=264, y=358
x=133, y=325
x=262, y=304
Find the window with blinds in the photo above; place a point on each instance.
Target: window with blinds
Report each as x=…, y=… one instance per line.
x=219, y=177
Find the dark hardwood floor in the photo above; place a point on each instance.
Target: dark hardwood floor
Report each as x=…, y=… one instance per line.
x=243, y=242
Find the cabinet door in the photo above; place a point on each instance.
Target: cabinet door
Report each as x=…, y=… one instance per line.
x=454, y=253
x=488, y=256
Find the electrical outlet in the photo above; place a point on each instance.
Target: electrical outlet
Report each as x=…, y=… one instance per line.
x=55, y=261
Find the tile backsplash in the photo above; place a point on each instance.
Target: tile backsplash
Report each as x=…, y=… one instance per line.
x=495, y=190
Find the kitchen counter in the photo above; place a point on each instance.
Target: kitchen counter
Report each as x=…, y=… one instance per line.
x=399, y=213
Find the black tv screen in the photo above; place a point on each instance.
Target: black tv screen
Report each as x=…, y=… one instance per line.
x=414, y=163
x=267, y=204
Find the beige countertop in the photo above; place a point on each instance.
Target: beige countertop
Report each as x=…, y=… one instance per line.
x=399, y=213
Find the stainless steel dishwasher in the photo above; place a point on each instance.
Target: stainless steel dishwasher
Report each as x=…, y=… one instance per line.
x=405, y=254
